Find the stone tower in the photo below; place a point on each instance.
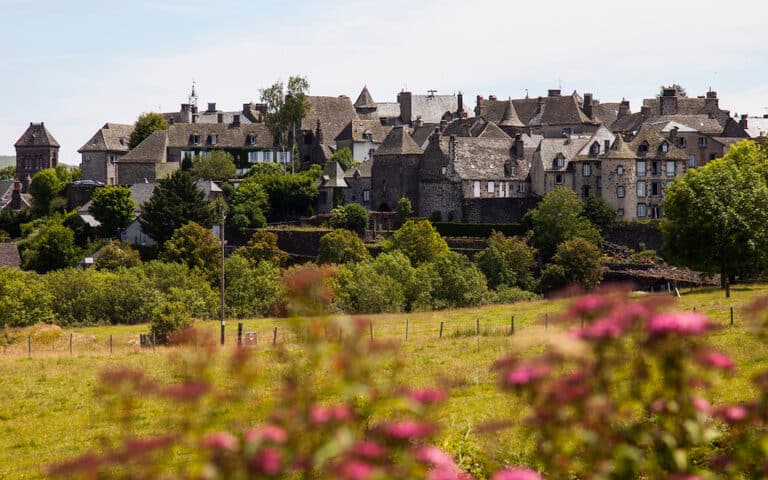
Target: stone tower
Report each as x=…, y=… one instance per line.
x=35, y=151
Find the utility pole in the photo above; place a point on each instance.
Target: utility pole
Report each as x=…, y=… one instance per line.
x=222, y=313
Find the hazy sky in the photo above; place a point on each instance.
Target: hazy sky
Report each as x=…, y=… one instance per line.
x=77, y=64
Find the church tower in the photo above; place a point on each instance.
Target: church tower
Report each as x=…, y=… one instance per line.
x=35, y=151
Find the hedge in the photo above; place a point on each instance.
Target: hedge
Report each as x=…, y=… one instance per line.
x=482, y=230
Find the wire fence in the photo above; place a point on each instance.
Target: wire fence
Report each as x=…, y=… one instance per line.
x=270, y=333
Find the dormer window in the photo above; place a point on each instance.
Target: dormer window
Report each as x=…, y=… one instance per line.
x=682, y=142
x=594, y=150
x=664, y=147
x=368, y=136
x=251, y=139
x=643, y=148
x=559, y=161
x=213, y=139
x=194, y=139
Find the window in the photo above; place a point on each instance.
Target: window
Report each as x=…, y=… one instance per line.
x=655, y=189
x=620, y=191
x=682, y=142
x=641, y=188
x=368, y=136
x=251, y=139
x=559, y=179
x=195, y=139
x=642, y=210
x=655, y=168
x=371, y=151
x=491, y=187
x=307, y=138
x=664, y=147
x=476, y=188
x=712, y=156
x=641, y=168
x=691, y=161
x=620, y=212
x=366, y=195
x=513, y=170
x=253, y=157
x=214, y=139
x=444, y=170
x=522, y=187
x=566, y=132
x=643, y=148
x=585, y=191
x=703, y=142
x=559, y=161
x=670, y=169
x=586, y=169
x=620, y=170
x=267, y=155
x=594, y=150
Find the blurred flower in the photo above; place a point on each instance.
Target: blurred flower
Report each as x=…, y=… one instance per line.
x=434, y=456
x=368, y=449
x=221, y=441
x=188, y=391
x=683, y=323
x=715, y=359
x=731, y=413
x=701, y=404
x=355, y=470
x=516, y=474
x=427, y=396
x=525, y=373
x=408, y=430
x=267, y=461
x=271, y=433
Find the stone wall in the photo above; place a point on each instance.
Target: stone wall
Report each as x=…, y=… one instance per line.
x=631, y=234
x=299, y=242
x=496, y=210
x=443, y=197
x=100, y=166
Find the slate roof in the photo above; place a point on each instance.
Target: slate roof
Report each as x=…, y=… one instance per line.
x=207, y=117
x=364, y=170
x=36, y=135
x=388, y=110
x=333, y=176
x=431, y=108
x=465, y=127
x=491, y=130
x=510, y=118
x=559, y=110
x=228, y=136
x=421, y=134
x=702, y=123
x=152, y=150
x=365, y=100
x=356, y=129
x=646, y=134
x=209, y=188
x=334, y=113
x=9, y=255
x=112, y=137
x=629, y=123
x=620, y=150
x=757, y=127
x=398, y=142
x=562, y=110
x=483, y=158
x=550, y=148
x=666, y=126
x=141, y=193
x=605, y=113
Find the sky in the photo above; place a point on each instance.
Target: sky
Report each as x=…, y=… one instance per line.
x=78, y=64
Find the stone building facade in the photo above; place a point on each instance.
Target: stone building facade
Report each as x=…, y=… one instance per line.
x=395, y=171
x=101, y=152
x=35, y=150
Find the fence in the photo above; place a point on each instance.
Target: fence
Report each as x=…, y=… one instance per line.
x=269, y=333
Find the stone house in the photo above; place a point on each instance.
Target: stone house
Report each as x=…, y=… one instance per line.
x=411, y=109
x=395, y=171
x=331, y=186
x=36, y=150
x=101, y=152
x=326, y=119
x=362, y=137
x=551, y=166
x=147, y=162
x=358, y=180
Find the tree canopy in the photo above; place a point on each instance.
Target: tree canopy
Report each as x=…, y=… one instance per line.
x=507, y=261
x=341, y=246
x=144, y=126
x=715, y=216
x=113, y=207
x=419, y=241
x=352, y=216
x=344, y=158
x=176, y=201
x=249, y=205
x=286, y=107
x=44, y=187
x=196, y=247
x=290, y=194
x=216, y=165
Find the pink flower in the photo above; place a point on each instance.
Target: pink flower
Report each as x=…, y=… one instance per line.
x=566, y=389
x=715, y=359
x=408, y=429
x=447, y=473
x=267, y=461
x=611, y=327
x=427, y=396
x=434, y=456
x=321, y=415
x=355, y=470
x=368, y=449
x=525, y=373
x=518, y=473
x=683, y=323
x=659, y=405
x=701, y=404
x=221, y=441
x=731, y=413
x=589, y=304
x=271, y=433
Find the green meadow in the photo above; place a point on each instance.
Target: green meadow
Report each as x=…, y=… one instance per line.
x=49, y=410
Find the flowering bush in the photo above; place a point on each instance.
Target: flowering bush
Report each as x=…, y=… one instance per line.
x=622, y=395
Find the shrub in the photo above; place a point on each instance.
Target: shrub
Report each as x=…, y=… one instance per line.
x=419, y=241
x=353, y=217
x=581, y=261
x=263, y=247
x=507, y=261
x=505, y=294
x=24, y=299
x=251, y=290
x=195, y=246
x=360, y=288
x=169, y=318
x=177, y=283
x=460, y=283
x=403, y=210
x=341, y=246
x=117, y=255
x=417, y=283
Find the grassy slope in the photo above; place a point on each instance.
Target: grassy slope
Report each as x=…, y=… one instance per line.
x=48, y=411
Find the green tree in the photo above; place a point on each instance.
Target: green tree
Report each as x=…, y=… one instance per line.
x=419, y=241
x=113, y=207
x=251, y=289
x=8, y=173
x=715, y=216
x=117, y=255
x=417, y=283
x=249, y=205
x=341, y=246
x=50, y=247
x=144, y=126
x=289, y=194
x=461, y=283
x=679, y=88
x=344, y=158
x=217, y=165
x=24, y=300
x=353, y=217
x=507, y=261
x=403, y=210
x=196, y=247
x=361, y=289
x=178, y=283
x=176, y=201
x=45, y=186
x=64, y=173
x=558, y=218
x=599, y=213
x=262, y=247
x=167, y=319
x=581, y=262
x=286, y=107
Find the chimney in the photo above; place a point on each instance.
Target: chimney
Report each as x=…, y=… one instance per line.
x=519, y=146
x=673, y=134
x=711, y=103
x=588, y=105
x=539, y=105
x=236, y=120
x=623, y=108
x=645, y=111
x=211, y=107
x=195, y=116
x=668, y=102
x=319, y=133
x=16, y=195
x=406, y=106
x=744, y=123
x=460, y=100
x=220, y=118
x=553, y=92
x=419, y=121
x=492, y=98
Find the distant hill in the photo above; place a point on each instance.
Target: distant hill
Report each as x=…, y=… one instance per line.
x=7, y=161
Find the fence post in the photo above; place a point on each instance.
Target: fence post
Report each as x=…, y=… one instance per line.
x=339, y=333
x=239, y=334
x=546, y=321
x=274, y=337
x=154, y=340
x=370, y=324
x=512, y=325
x=477, y=326
x=441, y=330
x=731, y=316
x=29, y=346
x=694, y=310
x=406, y=329
x=70, y=344
x=110, y=344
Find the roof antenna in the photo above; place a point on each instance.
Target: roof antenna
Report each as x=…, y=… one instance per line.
x=526, y=93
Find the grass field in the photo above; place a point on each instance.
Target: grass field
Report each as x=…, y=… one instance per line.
x=48, y=410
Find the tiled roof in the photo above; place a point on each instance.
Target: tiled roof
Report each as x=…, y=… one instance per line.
x=465, y=127
x=556, y=110
x=333, y=176
x=181, y=135
x=37, y=136
x=646, y=135
x=227, y=117
x=483, y=158
x=152, y=150
x=491, y=130
x=388, y=110
x=702, y=123
x=431, y=108
x=141, y=193
x=398, y=142
x=365, y=100
x=510, y=118
x=6, y=195
x=112, y=137
x=605, y=113
x=363, y=170
x=568, y=148
x=334, y=114
x=356, y=130
x=421, y=134
x=562, y=110
x=9, y=255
